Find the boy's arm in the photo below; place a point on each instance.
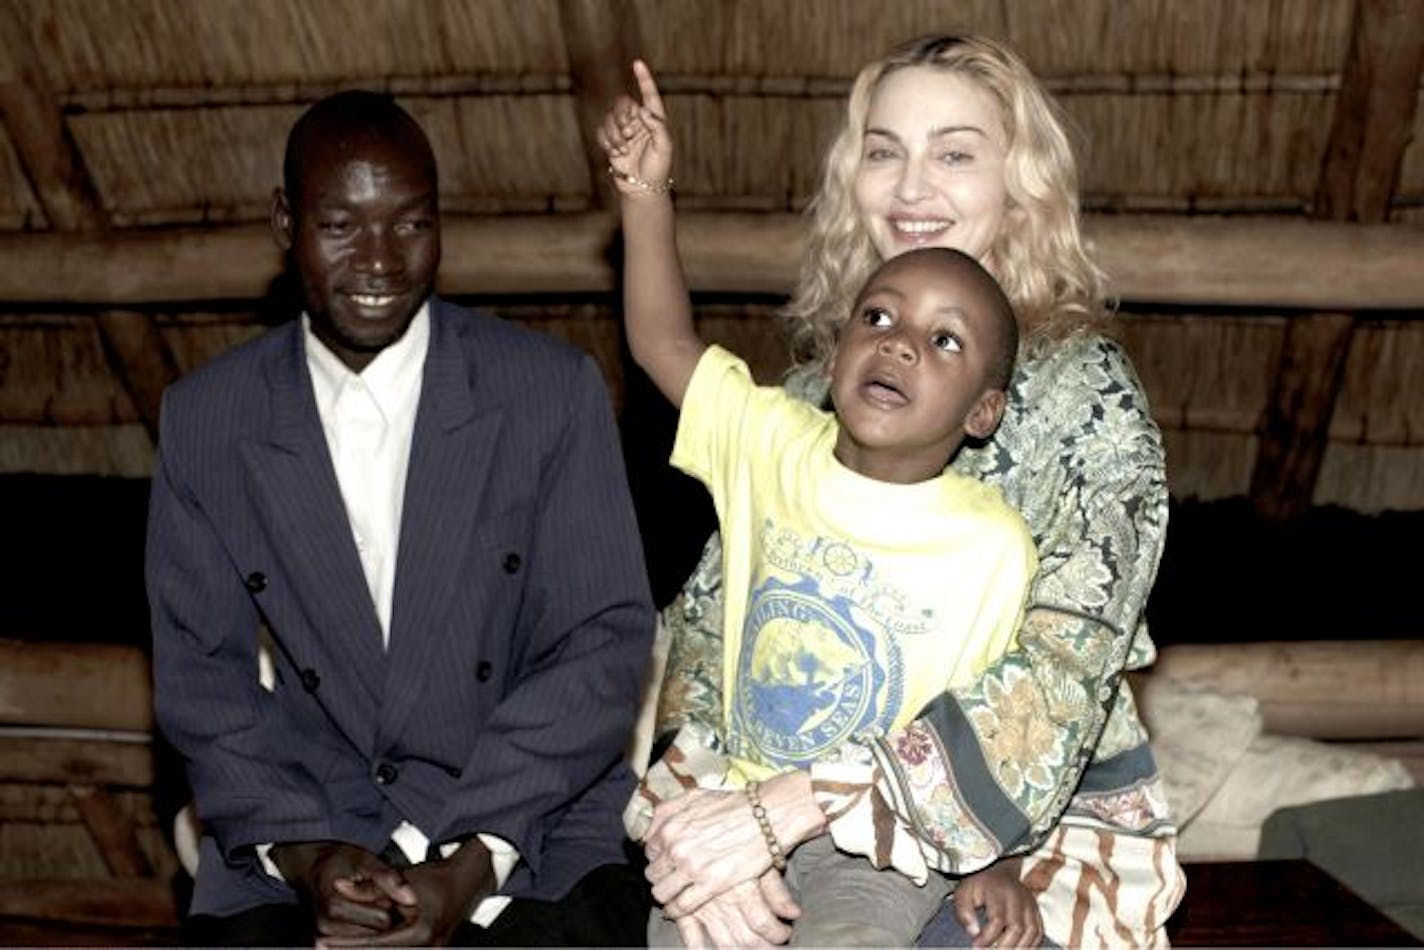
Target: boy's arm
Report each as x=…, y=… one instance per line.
x=657, y=311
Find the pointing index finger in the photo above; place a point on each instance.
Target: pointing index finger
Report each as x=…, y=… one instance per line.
x=648, y=89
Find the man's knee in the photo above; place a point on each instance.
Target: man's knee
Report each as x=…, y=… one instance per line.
x=608, y=907
x=266, y=925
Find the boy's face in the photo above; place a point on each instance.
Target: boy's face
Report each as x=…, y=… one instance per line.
x=364, y=238
x=908, y=377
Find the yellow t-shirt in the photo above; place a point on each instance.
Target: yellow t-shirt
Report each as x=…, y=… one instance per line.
x=850, y=603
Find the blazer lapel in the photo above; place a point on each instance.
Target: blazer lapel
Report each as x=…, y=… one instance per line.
x=450, y=457
x=297, y=489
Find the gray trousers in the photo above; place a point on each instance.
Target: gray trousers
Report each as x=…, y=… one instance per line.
x=845, y=902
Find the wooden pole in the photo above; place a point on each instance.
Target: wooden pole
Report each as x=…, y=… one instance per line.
x=113, y=832
x=601, y=38
x=53, y=164
x=1296, y=429
x=1373, y=112
x=1373, y=115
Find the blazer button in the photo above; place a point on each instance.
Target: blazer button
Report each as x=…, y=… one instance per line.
x=386, y=774
x=483, y=669
x=511, y=563
x=311, y=680
x=256, y=582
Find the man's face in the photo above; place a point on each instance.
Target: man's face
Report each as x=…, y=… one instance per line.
x=364, y=239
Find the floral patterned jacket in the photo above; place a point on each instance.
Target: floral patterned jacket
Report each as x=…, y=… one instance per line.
x=1050, y=732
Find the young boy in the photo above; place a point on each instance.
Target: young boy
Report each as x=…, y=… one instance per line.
x=861, y=577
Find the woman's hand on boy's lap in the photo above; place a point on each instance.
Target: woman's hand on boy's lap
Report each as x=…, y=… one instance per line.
x=635, y=138
x=751, y=914
x=705, y=842
x=699, y=846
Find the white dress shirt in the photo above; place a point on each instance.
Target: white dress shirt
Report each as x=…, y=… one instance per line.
x=369, y=418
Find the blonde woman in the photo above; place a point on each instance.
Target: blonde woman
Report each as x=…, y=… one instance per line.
x=951, y=141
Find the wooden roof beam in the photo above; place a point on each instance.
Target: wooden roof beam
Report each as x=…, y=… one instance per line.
x=1246, y=262
x=601, y=38
x=304, y=92
x=1373, y=117
x=50, y=159
x=55, y=168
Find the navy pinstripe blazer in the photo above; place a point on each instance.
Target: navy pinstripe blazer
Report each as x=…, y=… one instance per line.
x=521, y=625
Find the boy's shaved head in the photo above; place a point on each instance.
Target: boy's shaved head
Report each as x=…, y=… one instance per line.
x=985, y=288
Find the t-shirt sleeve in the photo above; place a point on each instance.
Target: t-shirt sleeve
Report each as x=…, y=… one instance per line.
x=725, y=417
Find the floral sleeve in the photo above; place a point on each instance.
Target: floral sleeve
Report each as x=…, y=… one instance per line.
x=687, y=727
x=692, y=683
x=989, y=769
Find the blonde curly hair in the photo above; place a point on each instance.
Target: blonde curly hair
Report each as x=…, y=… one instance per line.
x=1039, y=258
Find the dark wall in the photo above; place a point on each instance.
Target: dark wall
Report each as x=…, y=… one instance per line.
x=72, y=559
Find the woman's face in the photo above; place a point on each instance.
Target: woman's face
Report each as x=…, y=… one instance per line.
x=931, y=168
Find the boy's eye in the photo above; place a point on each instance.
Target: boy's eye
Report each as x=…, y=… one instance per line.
x=876, y=317
x=333, y=226
x=947, y=342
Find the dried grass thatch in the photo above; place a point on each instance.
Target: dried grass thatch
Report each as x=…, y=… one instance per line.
x=177, y=113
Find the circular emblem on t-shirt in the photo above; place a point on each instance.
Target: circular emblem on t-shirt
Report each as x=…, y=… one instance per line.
x=810, y=675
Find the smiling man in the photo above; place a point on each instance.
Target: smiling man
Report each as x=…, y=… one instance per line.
x=425, y=509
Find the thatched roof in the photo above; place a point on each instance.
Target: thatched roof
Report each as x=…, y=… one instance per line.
x=134, y=127
x=179, y=107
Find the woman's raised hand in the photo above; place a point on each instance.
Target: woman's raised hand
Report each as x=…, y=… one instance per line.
x=634, y=136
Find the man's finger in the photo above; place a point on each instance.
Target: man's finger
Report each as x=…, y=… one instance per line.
x=416, y=933
x=393, y=884
x=336, y=928
x=362, y=890
x=339, y=911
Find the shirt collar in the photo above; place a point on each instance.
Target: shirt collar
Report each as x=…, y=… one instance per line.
x=389, y=377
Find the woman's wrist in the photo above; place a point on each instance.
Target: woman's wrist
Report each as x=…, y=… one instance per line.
x=791, y=809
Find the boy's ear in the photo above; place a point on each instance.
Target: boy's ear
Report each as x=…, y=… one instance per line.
x=281, y=220
x=984, y=418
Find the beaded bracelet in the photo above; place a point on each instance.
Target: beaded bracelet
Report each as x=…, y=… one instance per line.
x=652, y=187
x=778, y=858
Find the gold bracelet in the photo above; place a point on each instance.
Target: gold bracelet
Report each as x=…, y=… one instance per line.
x=652, y=187
x=778, y=857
